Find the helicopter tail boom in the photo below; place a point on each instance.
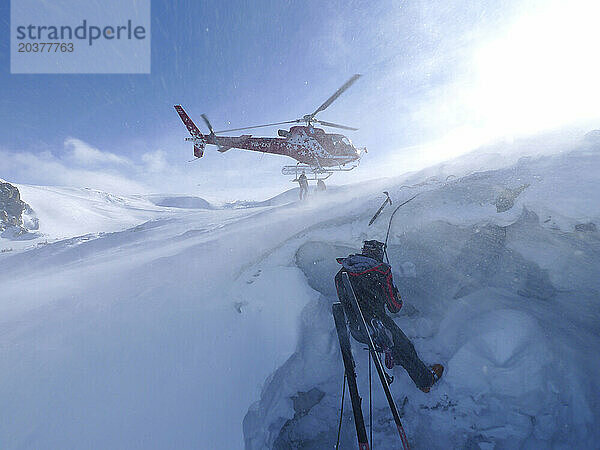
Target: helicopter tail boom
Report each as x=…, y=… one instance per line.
x=189, y=123
x=196, y=136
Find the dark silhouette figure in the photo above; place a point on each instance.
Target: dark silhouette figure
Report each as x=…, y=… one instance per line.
x=303, y=182
x=372, y=282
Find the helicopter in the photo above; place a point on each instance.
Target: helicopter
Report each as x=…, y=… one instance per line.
x=319, y=154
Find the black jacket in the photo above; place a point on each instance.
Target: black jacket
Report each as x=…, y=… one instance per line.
x=303, y=180
x=372, y=283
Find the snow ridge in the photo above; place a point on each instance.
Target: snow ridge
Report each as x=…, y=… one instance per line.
x=507, y=299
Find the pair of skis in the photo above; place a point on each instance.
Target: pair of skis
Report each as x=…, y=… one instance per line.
x=349, y=365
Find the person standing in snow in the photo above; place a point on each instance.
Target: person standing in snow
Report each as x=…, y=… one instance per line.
x=374, y=288
x=303, y=182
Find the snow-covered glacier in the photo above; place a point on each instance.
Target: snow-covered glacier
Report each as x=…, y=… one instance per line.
x=143, y=325
x=508, y=301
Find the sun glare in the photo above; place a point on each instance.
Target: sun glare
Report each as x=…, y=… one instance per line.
x=543, y=73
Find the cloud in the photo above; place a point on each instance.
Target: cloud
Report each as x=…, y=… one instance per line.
x=217, y=177
x=46, y=168
x=84, y=154
x=155, y=161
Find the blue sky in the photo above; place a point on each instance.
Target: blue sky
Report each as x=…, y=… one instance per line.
x=425, y=70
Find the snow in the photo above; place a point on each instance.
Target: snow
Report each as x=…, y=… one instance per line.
x=508, y=302
x=126, y=324
x=67, y=212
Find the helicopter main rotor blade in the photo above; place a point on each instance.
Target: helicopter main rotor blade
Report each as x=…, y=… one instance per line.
x=337, y=93
x=259, y=126
x=335, y=125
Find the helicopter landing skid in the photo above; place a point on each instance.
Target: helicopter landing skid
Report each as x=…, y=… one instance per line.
x=314, y=173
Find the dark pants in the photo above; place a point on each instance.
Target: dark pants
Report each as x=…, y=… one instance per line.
x=303, y=191
x=403, y=351
x=405, y=354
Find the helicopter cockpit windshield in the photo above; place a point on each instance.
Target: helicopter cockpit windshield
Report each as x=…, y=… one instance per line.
x=340, y=141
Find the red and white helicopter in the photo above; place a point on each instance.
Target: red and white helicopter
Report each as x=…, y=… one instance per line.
x=319, y=154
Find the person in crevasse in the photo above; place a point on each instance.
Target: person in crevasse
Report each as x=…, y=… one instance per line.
x=372, y=282
x=303, y=182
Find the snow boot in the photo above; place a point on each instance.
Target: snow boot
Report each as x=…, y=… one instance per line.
x=389, y=359
x=436, y=373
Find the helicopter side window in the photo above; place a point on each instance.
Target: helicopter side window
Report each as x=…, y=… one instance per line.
x=340, y=141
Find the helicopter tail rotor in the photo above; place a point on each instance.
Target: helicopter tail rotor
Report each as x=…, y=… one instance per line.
x=208, y=125
x=220, y=148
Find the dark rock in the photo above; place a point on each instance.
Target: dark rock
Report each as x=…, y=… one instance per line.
x=506, y=199
x=16, y=216
x=11, y=211
x=293, y=433
x=304, y=401
x=589, y=227
x=11, y=206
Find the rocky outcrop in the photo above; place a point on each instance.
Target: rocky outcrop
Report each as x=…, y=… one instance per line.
x=12, y=211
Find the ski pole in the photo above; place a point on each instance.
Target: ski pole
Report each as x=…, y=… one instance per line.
x=384, y=383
